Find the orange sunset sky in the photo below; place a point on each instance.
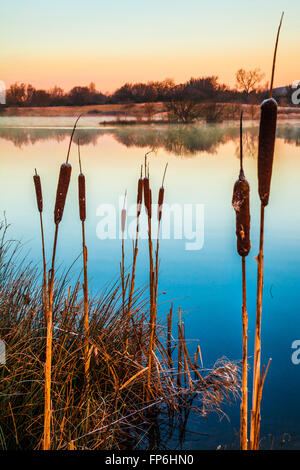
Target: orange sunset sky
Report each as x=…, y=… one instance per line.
x=71, y=42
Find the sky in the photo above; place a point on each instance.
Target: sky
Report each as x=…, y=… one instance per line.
x=72, y=42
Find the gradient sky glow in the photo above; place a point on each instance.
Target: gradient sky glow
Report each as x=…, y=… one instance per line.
x=72, y=42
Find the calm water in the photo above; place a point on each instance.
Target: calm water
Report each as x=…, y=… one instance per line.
x=203, y=165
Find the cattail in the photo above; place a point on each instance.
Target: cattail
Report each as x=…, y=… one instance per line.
x=39, y=200
x=62, y=190
x=61, y=194
x=38, y=191
x=123, y=220
x=140, y=195
x=267, y=133
x=241, y=205
x=81, y=190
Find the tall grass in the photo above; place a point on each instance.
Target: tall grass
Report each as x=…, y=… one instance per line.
x=82, y=216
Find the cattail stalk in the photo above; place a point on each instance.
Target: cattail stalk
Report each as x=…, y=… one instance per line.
x=159, y=215
x=267, y=135
x=61, y=195
x=244, y=405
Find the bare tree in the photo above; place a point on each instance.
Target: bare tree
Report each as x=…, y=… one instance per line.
x=149, y=110
x=247, y=81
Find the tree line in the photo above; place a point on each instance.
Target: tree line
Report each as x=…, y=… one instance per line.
x=248, y=89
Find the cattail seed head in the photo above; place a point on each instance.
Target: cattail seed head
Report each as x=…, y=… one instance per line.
x=160, y=202
x=81, y=195
x=62, y=190
x=267, y=134
x=241, y=204
x=38, y=192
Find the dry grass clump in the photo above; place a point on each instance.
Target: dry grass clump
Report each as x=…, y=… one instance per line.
x=266, y=145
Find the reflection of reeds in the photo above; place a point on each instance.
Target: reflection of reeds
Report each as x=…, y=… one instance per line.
x=267, y=134
x=240, y=202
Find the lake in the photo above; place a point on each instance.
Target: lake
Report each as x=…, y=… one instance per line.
x=203, y=165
